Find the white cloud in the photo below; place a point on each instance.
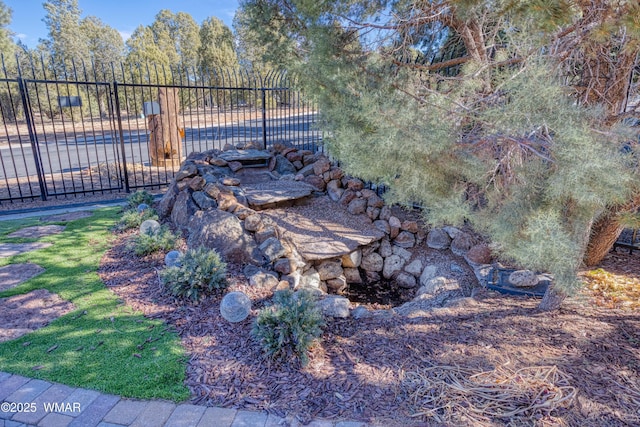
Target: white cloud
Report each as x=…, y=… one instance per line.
x=21, y=36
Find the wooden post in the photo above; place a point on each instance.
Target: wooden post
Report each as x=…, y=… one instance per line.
x=165, y=140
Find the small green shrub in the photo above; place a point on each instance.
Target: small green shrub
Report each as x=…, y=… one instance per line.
x=140, y=196
x=163, y=240
x=132, y=219
x=289, y=327
x=201, y=272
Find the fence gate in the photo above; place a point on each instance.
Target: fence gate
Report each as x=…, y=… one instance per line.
x=74, y=136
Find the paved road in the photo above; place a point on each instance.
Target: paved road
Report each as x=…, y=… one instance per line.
x=79, y=151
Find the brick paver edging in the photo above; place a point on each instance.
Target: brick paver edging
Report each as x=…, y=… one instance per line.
x=32, y=402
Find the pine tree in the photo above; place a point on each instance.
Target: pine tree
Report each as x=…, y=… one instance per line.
x=490, y=136
x=7, y=47
x=216, y=46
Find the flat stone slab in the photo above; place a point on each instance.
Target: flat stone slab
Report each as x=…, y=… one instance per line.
x=11, y=249
x=13, y=274
x=69, y=216
x=37, y=231
x=245, y=155
x=24, y=313
x=323, y=229
x=265, y=195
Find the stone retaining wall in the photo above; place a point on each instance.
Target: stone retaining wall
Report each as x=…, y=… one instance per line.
x=223, y=204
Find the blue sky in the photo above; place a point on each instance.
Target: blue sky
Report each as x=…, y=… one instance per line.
x=124, y=16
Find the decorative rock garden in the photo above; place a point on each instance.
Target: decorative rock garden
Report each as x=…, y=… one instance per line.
x=298, y=222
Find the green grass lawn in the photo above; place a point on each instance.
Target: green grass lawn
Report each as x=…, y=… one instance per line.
x=103, y=344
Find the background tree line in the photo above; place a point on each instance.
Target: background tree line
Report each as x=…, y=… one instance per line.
x=174, y=48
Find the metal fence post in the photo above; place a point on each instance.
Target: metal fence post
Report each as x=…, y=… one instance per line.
x=264, y=117
x=121, y=134
x=32, y=137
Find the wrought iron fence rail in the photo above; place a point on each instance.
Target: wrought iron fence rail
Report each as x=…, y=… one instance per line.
x=73, y=130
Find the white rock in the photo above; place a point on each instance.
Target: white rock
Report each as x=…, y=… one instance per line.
x=310, y=278
x=392, y=265
x=334, y=306
x=428, y=273
x=372, y=262
x=406, y=280
x=523, y=279
x=437, y=284
x=150, y=227
x=402, y=253
x=329, y=269
x=414, y=268
x=235, y=307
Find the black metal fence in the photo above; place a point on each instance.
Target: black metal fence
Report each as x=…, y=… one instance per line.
x=75, y=129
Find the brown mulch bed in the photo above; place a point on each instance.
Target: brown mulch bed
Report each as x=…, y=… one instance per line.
x=356, y=371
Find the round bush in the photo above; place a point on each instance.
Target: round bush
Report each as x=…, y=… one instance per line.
x=289, y=327
x=200, y=273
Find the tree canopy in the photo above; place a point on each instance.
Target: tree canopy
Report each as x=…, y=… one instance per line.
x=72, y=38
x=177, y=40
x=6, y=44
x=216, y=45
x=501, y=123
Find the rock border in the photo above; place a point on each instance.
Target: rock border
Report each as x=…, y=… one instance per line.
x=208, y=203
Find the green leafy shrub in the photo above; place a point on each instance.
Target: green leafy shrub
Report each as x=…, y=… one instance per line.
x=289, y=327
x=132, y=219
x=201, y=272
x=139, y=197
x=148, y=243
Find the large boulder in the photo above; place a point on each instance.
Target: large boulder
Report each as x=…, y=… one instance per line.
x=165, y=205
x=223, y=231
x=183, y=209
x=438, y=239
x=334, y=306
x=284, y=166
x=272, y=249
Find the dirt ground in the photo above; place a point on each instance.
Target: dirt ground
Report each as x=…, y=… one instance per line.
x=366, y=369
x=25, y=313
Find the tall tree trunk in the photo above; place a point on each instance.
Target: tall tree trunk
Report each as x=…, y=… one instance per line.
x=604, y=234
x=605, y=80
x=552, y=299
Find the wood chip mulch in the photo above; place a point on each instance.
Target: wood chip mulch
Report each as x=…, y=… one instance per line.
x=356, y=371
